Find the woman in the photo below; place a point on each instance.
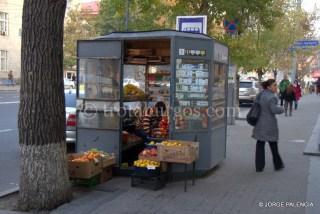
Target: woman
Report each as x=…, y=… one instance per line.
x=289, y=98
x=266, y=129
x=297, y=93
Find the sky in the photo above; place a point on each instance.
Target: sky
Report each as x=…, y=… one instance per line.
x=309, y=6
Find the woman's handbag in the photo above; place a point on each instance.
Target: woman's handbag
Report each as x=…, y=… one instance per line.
x=254, y=113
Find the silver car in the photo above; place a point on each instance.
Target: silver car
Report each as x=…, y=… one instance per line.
x=71, y=122
x=248, y=91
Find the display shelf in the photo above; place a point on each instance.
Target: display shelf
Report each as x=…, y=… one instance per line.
x=192, y=69
x=185, y=77
x=160, y=74
x=136, y=99
x=199, y=92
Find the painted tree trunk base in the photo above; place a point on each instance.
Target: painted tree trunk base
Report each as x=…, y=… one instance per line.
x=44, y=181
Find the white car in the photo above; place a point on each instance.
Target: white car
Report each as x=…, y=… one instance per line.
x=68, y=83
x=248, y=90
x=132, y=82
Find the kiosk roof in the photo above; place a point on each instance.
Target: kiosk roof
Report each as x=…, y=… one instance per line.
x=152, y=34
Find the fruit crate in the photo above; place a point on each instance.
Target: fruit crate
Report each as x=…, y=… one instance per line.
x=187, y=153
x=154, y=182
x=145, y=172
x=90, y=182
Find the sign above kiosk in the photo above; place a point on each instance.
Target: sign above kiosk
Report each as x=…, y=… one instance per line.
x=192, y=24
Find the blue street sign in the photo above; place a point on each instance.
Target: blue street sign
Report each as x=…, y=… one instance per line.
x=306, y=43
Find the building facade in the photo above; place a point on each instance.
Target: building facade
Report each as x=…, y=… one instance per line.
x=10, y=37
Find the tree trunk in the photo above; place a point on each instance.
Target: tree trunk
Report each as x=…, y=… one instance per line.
x=260, y=73
x=44, y=182
x=275, y=73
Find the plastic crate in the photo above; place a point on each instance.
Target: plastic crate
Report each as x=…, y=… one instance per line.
x=154, y=182
x=145, y=172
x=90, y=182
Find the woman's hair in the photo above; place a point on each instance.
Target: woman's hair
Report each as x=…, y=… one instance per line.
x=290, y=89
x=160, y=108
x=267, y=83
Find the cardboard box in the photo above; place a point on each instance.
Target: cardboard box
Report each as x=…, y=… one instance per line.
x=106, y=174
x=108, y=161
x=83, y=170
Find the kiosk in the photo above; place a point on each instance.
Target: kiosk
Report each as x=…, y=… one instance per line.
x=123, y=72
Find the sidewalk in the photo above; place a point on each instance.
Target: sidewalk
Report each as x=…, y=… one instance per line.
x=234, y=187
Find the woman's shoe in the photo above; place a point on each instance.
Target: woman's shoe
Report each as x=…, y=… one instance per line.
x=279, y=168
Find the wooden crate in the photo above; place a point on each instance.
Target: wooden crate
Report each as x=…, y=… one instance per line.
x=187, y=153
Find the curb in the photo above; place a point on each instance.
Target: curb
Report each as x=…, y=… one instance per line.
x=312, y=147
x=10, y=212
x=9, y=192
x=4, y=88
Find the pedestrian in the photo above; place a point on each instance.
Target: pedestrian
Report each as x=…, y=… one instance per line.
x=282, y=87
x=289, y=98
x=10, y=77
x=266, y=129
x=73, y=77
x=297, y=93
x=318, y=86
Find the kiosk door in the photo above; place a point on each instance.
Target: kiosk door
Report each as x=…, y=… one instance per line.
x=98, y=95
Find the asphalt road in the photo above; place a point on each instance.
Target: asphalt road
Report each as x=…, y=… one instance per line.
x=9, y=147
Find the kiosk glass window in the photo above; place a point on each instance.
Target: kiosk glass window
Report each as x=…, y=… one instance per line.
x=218, y=110
x=99, y=115
x=191, y=95
x=99, y=79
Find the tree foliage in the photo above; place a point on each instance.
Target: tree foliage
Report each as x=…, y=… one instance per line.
x=78, y=26
x=266, y=28
x=143, y=15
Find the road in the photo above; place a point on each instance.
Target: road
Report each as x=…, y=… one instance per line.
x=9, y=147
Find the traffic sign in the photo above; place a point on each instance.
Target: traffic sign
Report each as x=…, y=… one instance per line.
x=306, y=43
x=192, y=24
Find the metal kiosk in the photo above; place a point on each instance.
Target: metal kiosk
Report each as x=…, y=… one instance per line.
x=187, y=71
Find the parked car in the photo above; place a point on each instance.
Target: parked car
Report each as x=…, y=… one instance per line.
x=131, y=81
x=248, y=90
x=71, y=133
x=68, y=84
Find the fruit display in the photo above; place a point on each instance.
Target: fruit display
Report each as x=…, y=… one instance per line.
x=149, y=152
x=132, y=91
x=152, y=143
x=146, y=164
x=172, y=143
x=163, y=130
x=92, y=155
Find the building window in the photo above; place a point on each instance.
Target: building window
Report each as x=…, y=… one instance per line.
x=4, y=24
x=3, y=60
